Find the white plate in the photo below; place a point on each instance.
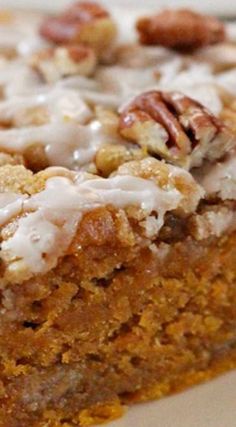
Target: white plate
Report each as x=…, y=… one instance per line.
x=208, y=405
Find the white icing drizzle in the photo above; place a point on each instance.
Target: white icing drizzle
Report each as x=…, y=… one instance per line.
x=16, y=78
x=66, y=144
x=132, y=80
x=52, y=215
x=227, y=80
x=220, y=178
x=109, y=89
x=231, y=31
x=59, y=103
x=10, y=205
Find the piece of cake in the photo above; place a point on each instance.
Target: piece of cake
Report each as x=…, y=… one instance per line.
x=117, y=213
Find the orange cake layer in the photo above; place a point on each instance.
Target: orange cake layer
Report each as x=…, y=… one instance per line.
x=120, y=318
x=103, y=336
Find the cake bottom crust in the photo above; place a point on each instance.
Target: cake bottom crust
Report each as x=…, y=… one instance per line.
x=101, y=414
x=81, y=350
x=108, y=411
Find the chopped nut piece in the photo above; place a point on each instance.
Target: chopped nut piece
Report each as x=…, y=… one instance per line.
x=85, y=22
x=56, y=63
x=35, y=158
x=180, y=29
x=175, y=127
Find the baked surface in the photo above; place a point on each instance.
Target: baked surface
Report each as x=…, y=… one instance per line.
x=117, y=212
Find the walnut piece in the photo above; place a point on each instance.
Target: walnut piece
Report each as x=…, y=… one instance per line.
x=83, y=22
x=173, y=126
x=63, y=61
x=180, y=29
x=35, y=158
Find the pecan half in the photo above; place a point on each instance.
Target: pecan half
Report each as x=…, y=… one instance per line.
x=63, y=61
x=83, y=22
x=180, y=29
x=175, y=127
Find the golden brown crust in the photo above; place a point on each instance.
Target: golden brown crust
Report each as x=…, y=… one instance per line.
x=180, y=29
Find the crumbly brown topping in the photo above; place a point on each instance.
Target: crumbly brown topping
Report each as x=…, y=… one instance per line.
x=175, y=127
x=180, y=29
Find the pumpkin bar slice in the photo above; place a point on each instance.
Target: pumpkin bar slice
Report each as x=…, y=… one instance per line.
x=113, y=289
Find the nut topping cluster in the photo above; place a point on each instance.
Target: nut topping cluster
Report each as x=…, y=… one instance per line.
x=83, y=22
x=173, y=126
x=180, y=29
x=57, y=62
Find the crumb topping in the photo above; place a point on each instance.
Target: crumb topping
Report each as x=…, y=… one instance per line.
x=47, y=221
x=219, y=179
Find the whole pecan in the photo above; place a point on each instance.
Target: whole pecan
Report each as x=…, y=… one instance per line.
x=83, y=22
x=173, y=126
x=180, y=29
x=54, y=63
